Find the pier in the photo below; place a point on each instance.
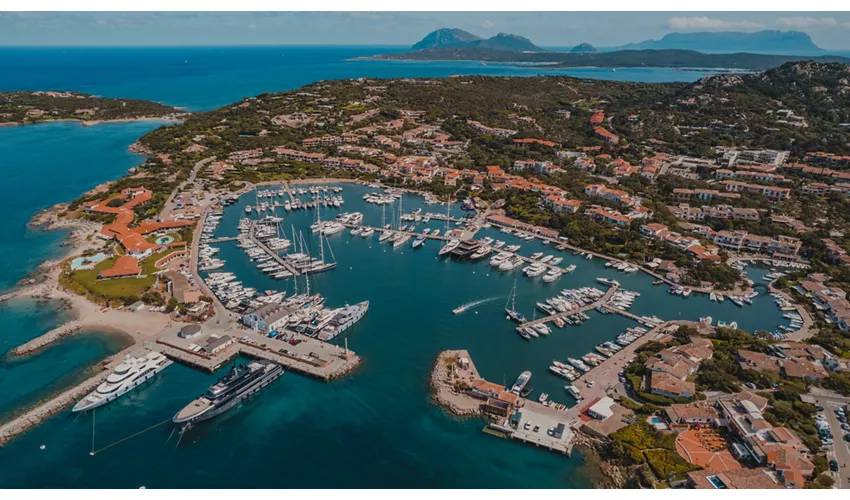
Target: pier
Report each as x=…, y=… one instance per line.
x=627, y=314
x=222, y=239
x=277, y=258
x=601, y=302
x=308, y=356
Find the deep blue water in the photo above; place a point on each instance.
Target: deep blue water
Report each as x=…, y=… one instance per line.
x=200, y=78
x=375, y=428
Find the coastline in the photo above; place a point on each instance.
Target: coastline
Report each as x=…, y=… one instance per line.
x=177, y=118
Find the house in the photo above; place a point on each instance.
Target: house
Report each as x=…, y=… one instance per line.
x=215, y=344
x=560, y=204
x=664, y=384
x=699, y=412
x=760, y=362
x=605, y=135
x=733, y=479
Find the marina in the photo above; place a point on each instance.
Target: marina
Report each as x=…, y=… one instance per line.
x=367, y=270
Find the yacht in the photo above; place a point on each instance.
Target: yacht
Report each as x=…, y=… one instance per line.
x=367, y=232
x=241, y=382
x=521, y=382
x=448, y=247
x=510, y=264
x=552, y=275
x=418, y=242
x=131, y=373
x=534, y=269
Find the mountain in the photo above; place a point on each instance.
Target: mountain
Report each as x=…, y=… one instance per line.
x=445, y=37
x=765, y=42
x=449, y=38
x=583, y=48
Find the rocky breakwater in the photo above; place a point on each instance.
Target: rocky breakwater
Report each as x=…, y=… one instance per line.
x=55, y=404
x=447, y=388
x=47, y=338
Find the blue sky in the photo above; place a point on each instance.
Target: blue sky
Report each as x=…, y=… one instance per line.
x=828, y=30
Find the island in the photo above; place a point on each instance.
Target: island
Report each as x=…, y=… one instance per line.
x=674, y=51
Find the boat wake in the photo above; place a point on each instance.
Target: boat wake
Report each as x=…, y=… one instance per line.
x=471, y=305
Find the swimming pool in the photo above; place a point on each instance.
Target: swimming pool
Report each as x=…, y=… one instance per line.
x=655, y=420
x=164, y=240
x=87, y=262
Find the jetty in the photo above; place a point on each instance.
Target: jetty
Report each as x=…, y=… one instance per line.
x=304, y=355
x=601, y=302
x=277, y=258
x=48, y=338
x=222, y=239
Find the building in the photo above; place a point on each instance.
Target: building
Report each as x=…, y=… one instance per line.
x=664, y=384
x=700, y=412
x=216, y=344
x=267, y=318
x=733, y=479
x=605, y=135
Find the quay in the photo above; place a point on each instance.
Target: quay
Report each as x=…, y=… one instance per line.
x=277, y=258
x=457, y=387
x=49, y=337
x=601, y=302
x=307, y=356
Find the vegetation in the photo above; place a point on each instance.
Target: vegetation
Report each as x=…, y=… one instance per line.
x=33, y=107
x=640, y=444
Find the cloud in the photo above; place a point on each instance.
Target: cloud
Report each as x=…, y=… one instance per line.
x=708, y=24
x=488, y=24
x=807, y=22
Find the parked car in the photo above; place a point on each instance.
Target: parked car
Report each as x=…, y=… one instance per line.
x=751, y=386
x=819, y=408
x=833, y=465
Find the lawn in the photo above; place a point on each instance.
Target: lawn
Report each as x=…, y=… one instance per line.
x=118, y=288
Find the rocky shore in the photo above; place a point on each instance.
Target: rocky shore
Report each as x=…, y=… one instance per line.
x=443, y=391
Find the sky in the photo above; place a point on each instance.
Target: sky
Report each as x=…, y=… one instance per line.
x=559, y=29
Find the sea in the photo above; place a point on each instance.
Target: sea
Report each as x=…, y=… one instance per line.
x=375, y=428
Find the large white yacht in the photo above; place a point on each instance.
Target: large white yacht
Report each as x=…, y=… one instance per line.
x=131, y=373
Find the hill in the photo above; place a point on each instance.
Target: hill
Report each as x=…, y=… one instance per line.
x=445, y=37
x=449, y=38
x=764, y=42
x=583, y=48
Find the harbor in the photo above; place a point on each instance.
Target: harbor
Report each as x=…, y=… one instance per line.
x=395, y=280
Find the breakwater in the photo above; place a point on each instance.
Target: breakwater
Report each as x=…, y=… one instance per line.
x=48, y=338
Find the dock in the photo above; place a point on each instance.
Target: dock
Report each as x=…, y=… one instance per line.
x=277, y=258
x=222, y=239
x=309, y=357
x=601, y=302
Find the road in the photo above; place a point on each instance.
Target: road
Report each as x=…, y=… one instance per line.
x=840, y=449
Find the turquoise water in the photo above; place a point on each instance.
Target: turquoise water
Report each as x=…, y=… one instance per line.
x=375, y=428
x=26, y=380
x=164, y=240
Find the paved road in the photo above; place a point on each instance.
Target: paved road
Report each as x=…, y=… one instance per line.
x=840, y=449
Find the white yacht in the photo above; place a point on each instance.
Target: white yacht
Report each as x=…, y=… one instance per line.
x=131, y=373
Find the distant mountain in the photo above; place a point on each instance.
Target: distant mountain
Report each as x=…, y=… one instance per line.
x=764, y=42
x=583, y=48
x=445, y=37
x=450, y=38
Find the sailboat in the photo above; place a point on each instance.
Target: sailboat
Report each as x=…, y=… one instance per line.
x=511, y=312
x=320, y=265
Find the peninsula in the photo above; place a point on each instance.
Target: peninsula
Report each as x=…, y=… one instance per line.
x=21, y=108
